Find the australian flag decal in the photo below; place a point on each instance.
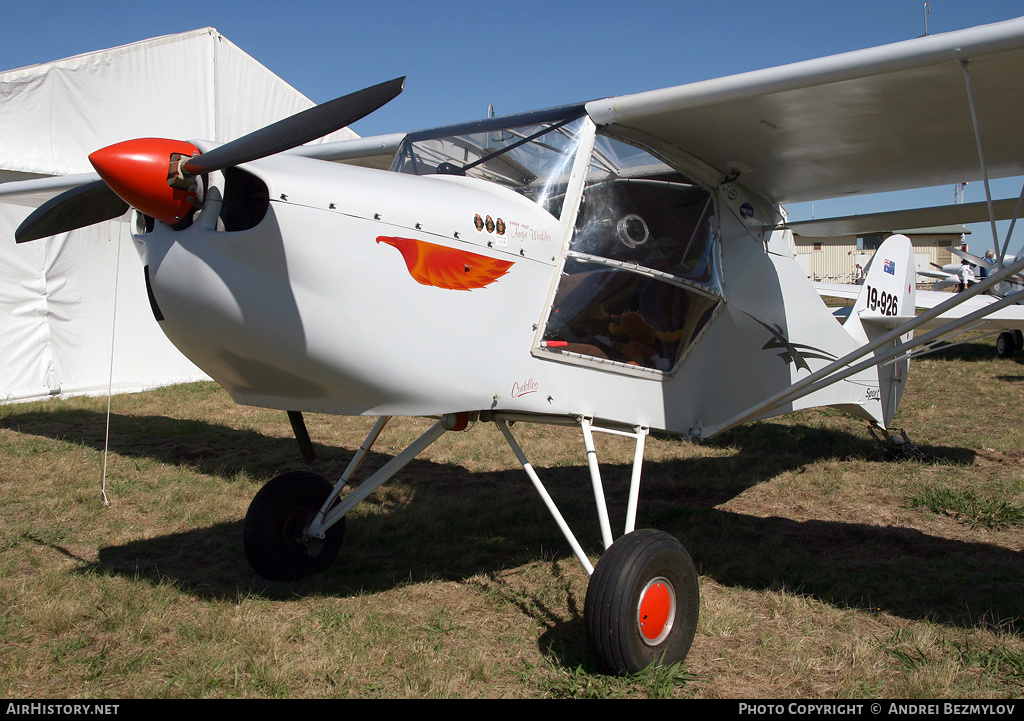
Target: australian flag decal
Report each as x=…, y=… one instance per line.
x=889, y=267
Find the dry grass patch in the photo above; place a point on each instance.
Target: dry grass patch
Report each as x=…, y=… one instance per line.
x=827, y=568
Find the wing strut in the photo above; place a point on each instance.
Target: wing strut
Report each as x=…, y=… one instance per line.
x=984, y=167
x=1013, y=222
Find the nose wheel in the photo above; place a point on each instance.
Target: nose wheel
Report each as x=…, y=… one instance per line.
x=642, y=603
x=275, y=540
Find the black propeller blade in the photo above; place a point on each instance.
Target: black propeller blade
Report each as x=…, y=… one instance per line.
x=85, y=205
x=95, y=202
x=297, y=129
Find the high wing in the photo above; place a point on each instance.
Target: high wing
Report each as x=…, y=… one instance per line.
x=371, y=152
x=36, y=191
x=886, y=118
x=875, y=120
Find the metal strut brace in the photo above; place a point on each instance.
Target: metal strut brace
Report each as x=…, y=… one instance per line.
x=328, y=516
x=360, y=454
x=595, y=482
x=1000, y=253
x=639, y=435
x=981, y=153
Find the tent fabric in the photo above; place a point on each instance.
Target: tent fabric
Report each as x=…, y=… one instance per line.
x=74, y=312
x=191, y=85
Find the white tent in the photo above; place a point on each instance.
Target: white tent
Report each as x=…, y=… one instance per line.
x=74, y=313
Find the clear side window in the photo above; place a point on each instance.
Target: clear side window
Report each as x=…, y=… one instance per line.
x=640, y=278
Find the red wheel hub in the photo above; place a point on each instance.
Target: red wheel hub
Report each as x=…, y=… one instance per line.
x=656, y=611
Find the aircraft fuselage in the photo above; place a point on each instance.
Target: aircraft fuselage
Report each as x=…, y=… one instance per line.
x=361, y=291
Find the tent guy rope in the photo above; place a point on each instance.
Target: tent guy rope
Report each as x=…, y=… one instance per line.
x=110, y=378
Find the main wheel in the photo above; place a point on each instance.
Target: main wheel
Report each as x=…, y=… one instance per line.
x=642, y=603
x=274, y=538
x=1005, y=345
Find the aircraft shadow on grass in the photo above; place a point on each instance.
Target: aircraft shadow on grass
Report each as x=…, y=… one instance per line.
x=976, y=351
x=451, y=524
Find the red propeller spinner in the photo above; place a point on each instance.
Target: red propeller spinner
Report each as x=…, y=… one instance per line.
x=141, y=171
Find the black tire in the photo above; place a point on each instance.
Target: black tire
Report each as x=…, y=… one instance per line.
x=1005, y=345
x=274, y=525
x=1018, y=340
x=644, y=566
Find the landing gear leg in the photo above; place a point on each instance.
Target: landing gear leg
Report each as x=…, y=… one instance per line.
x=296, y=523
x=643, y=599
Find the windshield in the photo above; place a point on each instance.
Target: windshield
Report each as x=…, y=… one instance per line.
x=533, y=159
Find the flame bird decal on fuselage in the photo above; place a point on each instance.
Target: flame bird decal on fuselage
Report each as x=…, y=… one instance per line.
x=444, y=267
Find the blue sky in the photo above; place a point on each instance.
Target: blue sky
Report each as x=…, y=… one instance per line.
x=460, y=56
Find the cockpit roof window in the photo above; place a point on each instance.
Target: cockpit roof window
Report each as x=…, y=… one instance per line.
x=531, y=154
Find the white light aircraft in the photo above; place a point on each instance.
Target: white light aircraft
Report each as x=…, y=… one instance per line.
x=622, y=265
x=1007, y=322
x=947, y=276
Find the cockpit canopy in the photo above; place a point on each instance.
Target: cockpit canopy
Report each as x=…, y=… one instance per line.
x=639, y=278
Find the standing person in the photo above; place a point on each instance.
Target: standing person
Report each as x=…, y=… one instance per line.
x=990, y=256
x=858, y=275
x=966, y=277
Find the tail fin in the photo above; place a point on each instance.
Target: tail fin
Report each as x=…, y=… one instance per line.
x=887, y=300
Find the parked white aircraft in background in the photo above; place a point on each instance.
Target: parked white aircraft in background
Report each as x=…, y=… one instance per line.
x=620, y=265
x=945, y=277
x=948, y=276
x=1007, y=322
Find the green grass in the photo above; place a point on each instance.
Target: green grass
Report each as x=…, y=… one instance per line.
x=968, y=506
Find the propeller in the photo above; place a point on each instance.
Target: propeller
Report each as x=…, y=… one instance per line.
x=85, y=205
x=159, y=176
